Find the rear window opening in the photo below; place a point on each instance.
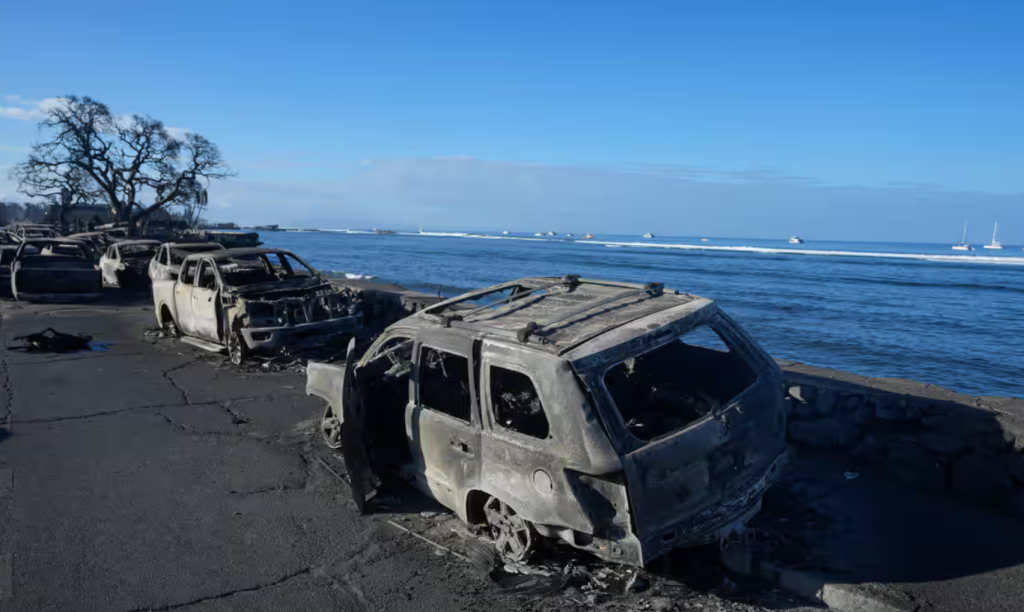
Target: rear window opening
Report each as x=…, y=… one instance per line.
x=674, y=385
x=516, y=404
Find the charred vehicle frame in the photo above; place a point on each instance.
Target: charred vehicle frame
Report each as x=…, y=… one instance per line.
x=55, y=270
x=621, y=419
x=253, y=300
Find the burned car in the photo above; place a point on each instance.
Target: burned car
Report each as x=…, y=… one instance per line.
x=125, y=263
x=165, y=265
x=23, y=231
x=253, y=300
x=621, y=419
x=55, y=270
x=7, y=252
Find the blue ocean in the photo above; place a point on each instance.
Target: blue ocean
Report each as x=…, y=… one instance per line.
x=918, y=311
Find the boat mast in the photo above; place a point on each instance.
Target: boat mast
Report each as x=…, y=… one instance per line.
x=964, y=239
x=994, y=232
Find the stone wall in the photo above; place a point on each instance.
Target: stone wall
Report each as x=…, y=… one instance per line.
x=924, y=436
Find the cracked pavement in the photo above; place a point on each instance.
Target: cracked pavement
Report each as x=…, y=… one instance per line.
x=142, y=478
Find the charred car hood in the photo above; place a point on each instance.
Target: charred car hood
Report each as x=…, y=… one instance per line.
x=281, y=290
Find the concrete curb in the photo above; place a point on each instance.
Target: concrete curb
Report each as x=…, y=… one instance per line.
x=816, y=587
x=837, y=596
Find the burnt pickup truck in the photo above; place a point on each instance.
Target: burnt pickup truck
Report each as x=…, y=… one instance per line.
x=622, y=419
x=252, y=300
x=55, y=270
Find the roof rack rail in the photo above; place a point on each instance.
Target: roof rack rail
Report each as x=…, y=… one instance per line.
x=650, y=290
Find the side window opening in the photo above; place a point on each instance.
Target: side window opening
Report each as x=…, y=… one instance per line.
x=666, y=389
x=207, y=277
x=188, y=275
x=516, y=403
x=444, y=383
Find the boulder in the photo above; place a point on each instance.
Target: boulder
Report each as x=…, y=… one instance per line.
x=825, y=405
x=1013, y=503
x=870, y=448
x=978, y=477
x=943, y=442
x=824, y=433
x=891, y=408
x=911, y=464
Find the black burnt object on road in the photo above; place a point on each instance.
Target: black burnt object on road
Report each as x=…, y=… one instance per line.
x=53, y=341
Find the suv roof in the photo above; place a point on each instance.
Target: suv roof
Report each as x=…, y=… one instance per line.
x=553, y=314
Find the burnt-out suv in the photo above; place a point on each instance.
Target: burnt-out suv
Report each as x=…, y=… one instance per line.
x=622, y=419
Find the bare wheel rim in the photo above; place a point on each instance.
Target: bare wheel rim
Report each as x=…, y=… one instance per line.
x=172, y=329
x=513, y=536
x=330, y=428
x=235, y=349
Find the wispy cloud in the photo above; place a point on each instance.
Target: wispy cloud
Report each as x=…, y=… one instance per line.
x=27, y=110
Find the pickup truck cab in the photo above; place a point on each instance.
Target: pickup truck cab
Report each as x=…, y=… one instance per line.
x=252, y=300
x=167, y=261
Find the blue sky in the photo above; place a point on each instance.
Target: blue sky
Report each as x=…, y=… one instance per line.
x=849, y=120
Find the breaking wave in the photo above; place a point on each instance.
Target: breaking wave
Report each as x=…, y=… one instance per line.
x=1018, y=261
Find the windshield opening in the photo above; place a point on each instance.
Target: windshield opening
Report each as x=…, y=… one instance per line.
x=254, y=269
x=666, y=389
x=137, y=251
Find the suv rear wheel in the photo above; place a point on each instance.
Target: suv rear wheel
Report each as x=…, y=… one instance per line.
x=514, y=536
x=330, y=427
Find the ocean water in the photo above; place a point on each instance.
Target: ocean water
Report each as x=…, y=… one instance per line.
x=918, y=311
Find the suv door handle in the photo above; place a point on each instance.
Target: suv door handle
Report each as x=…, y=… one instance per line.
x=461, y=446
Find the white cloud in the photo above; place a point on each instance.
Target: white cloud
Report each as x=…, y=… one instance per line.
x=178, y=133
x=27, y=110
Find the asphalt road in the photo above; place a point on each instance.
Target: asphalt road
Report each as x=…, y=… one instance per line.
x=152, y=476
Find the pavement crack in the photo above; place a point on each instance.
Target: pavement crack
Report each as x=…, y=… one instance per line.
x=182, y=390
x=101, y=413
x=226, y=594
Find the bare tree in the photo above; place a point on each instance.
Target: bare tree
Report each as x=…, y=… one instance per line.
x=65, y=188
x=126, y=158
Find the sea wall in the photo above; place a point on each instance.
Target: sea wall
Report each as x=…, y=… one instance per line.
x=923, y=435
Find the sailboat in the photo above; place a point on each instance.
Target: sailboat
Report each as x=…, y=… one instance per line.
x=995, y=243
x=963, y=246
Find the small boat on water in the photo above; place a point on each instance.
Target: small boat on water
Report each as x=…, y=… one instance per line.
x=995, y=243
x=648, y=235
x=506, y=233
x=588, y=236
x=705, y=240
x=540, y=234
x=552, y=233
x=796, y=240
x=569, y=234
x=963, y=246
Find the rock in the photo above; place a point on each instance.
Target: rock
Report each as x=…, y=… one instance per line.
x=912, y=465
x=891, y=407
x=429, y=514
x=824, y=433
x=870, y=448
x=803, y=411
x=1013, y=464
x=978, y=477
x=943, y=442
x=826, y=403
x=864, y=414
x=804, y=394
x=852, y=403
x=661, y=604
x=1013, y=503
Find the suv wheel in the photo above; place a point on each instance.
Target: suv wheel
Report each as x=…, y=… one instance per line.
x=513, y=535
x=238, y=350
x=330, y=428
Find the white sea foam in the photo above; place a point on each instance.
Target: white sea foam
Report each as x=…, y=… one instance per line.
x=783, y=251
